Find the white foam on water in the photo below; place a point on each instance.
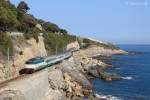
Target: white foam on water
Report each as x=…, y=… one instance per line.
x=110, y=97
x=127, y=78
x=107, y=97
x=100, y=96
x=117, y=68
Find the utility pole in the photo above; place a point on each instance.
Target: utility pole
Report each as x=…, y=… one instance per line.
x=8, y=58
x=76, y=38
x=8, y=55
x=56, y=49
x=64, y=48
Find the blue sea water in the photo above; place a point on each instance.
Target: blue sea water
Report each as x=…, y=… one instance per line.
x=136, y=65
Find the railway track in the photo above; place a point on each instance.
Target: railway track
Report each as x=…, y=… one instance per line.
x=18, y=78
x=28, y=72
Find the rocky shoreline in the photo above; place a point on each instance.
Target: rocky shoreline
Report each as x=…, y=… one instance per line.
x=70, y=80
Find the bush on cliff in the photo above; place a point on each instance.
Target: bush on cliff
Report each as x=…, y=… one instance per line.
x=17, y=19
x=88, y=42
x=5, y=43
x=53, y=41
x=8, y=16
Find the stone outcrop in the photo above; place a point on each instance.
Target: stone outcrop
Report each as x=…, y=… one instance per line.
x=39, y=27
x=68, y=80
x=72, y=87
x=67, y=83
x=57, y=85
x=109, y=76
x=76, y=75
x=94, y=50
x=93, y=66
x=73, y=45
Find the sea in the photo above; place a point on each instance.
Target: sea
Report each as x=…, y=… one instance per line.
x=134, y=67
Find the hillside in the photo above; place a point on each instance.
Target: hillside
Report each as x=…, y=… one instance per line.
x=23, y=36
x=17, y=19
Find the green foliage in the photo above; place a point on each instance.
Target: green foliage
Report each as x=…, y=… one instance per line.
x=29, y=20
x=63, y=31
x=17, y=19
x=23, y=7
x=50, y=27
x=5, y=43
x=60, y=41
x=88, y=42
x=32, y=32
x=8, y=18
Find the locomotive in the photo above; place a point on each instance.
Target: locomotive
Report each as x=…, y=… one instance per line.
x=38, y=63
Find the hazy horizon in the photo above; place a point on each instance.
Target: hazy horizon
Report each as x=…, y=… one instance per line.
x=119, y=21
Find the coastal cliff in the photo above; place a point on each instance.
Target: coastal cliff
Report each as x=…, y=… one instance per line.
x=23, y=36
x=69, y=80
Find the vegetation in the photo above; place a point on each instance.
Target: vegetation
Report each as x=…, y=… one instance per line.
x=57, y=42
x=18, y=19
x=87, y=42
x=8, y=16
x=51, y=27
x=5, y=43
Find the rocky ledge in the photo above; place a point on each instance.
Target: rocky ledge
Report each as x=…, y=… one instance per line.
x=69, y=80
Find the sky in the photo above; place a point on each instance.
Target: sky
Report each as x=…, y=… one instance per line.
x=116, y=21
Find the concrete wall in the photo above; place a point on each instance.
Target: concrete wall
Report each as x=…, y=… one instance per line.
x=26, y=87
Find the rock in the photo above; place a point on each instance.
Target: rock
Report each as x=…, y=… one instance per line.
x=119, y=52
x=2, y=75
x=56, y=79
x=67, y=78
x=11, y=95
x=78, y=90
x=73, y=87
x=39, y=27
x=76, y=75
x=74, y=45
x=55, y=95
x=94, y=71
x=1, y=66
x=109, y=76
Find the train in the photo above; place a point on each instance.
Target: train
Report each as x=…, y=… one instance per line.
x=39, y=63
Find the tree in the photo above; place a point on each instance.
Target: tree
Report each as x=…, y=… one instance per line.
x=64, y=31
x=22, y=6
x=22, y=9
x=8, y=19
x=5, y=43
x=29, y=20
x=50, y=27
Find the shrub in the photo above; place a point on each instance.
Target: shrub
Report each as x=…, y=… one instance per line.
x=5, y=43
x=23, y=7
x=32, y=33
x=8, y=19
x=52, y=40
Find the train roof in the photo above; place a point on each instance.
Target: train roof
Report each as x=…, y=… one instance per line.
x=35, y=60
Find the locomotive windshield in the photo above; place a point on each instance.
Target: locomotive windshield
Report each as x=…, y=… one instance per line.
x=35, y=60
